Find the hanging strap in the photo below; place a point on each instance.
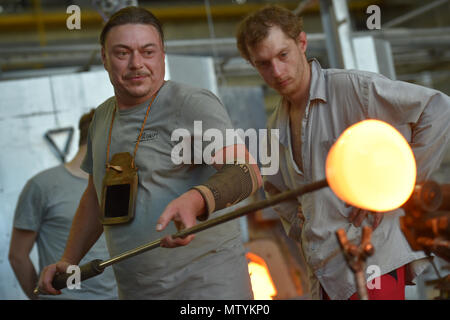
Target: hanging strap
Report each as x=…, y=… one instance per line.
x=119, y=168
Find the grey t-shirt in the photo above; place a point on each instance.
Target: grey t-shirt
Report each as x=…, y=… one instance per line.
x=47, y=205
x=213, y=265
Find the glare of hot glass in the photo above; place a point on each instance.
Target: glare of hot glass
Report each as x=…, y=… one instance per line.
x=371, y=166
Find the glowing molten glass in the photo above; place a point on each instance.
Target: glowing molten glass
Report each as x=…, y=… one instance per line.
x=371, y=166
x=262, y=284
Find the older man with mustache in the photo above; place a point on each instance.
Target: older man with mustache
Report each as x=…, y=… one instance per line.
x=132, y=132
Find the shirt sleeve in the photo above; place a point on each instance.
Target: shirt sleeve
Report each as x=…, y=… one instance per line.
x=86, y=165
x=30, y=208
x=209, y=124
x=425, y=110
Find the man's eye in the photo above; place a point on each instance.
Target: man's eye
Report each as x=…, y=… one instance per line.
x=148, y=53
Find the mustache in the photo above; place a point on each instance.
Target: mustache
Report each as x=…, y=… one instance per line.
x=136, y=74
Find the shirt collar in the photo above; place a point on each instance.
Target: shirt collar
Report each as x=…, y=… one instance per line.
x=317, y=91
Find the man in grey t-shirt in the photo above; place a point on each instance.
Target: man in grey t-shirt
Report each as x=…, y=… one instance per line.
x=140, y=121
x=44, y=214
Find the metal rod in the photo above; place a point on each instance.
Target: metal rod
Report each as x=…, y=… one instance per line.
x=303, y=5
x=355, y=256
x=360, y=280
x=414, y=13
x=219, y=220
x=331, y=42
x=131, y=253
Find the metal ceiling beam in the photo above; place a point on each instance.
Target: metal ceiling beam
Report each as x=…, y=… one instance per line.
x=417, y=12
x=438, y=38
x=168, y=13
x=177, y=12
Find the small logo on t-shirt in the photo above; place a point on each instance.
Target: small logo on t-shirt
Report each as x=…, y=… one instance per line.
x=148, y=135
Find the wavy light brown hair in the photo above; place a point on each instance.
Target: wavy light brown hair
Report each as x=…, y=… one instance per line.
x=255, y=27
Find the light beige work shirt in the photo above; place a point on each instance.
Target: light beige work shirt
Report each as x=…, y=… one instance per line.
x=337, y=100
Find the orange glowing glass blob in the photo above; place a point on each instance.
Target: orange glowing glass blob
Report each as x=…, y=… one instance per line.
x=262, y=284
x=371, y=166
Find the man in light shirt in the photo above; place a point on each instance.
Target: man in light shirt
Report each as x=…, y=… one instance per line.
x=43, y=215
x=317, y=105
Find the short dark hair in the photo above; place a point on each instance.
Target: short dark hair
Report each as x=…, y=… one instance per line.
x=83, y=126
x=255, y=27
x=133, y=15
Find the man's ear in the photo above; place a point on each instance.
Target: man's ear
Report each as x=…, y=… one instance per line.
x=302, y=42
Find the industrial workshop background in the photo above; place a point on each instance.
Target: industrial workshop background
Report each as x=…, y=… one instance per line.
x=51, y=73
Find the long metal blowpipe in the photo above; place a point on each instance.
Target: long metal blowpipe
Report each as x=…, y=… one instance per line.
x=96, y=267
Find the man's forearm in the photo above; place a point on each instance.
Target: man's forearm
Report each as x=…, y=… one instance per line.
x=86, y=227
x=232, y=183
x=26, y=275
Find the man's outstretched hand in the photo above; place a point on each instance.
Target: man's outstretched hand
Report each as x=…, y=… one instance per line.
x=183, y=211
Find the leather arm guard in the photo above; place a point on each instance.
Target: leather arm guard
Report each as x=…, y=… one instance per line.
x=231, y=184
